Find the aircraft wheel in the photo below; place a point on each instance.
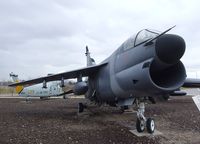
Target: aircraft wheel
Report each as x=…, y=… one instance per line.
x=41, y=98
x=150, y=125
x=80, y=107
x=123, y=108
x=140, y=125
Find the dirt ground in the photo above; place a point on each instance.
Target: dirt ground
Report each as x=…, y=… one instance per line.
x=56, y=121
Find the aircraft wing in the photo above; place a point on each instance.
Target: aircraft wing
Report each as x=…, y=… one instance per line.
x=87, y=71
x=67, y=92
x=192, y=83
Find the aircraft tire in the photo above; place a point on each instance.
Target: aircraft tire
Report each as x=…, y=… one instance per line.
x=150, y=125
x=80, y=107
x=140, y=125
x=64, y=97
x=123, y=108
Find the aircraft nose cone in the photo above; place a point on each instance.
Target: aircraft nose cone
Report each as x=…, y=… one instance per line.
x=170, y=48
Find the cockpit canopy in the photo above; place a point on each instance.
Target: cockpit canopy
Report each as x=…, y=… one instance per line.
x=141, y=37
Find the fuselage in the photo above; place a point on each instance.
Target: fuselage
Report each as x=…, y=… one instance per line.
x=139, y=70
x=53, y=89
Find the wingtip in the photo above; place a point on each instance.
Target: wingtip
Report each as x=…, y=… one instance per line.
x=12, y=85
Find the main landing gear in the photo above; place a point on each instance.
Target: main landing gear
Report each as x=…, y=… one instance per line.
x=81, y=107
x=64, y=97
x=142, y=121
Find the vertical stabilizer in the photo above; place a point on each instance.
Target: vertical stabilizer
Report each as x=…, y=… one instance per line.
x=16, y=79
x=90, y=61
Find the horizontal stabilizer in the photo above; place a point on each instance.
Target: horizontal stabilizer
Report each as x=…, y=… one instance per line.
x=192, y=83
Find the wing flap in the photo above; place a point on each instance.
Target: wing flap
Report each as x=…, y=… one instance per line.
x=87, y=71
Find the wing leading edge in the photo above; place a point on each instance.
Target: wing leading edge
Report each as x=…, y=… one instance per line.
x=87, y=71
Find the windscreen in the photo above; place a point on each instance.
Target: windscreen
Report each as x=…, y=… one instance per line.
x=145, y=35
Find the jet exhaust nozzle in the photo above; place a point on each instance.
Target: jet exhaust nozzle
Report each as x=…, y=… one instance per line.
x=170, y=48
x=171, y=78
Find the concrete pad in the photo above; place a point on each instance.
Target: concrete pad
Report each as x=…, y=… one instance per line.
x=145, y=133
x=196, y=100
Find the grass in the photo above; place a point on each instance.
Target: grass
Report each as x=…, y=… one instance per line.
x=6, y=90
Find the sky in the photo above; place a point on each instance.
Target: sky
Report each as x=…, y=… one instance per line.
x=49, y=36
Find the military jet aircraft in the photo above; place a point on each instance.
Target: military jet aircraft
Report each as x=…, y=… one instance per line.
x=43, y=92
x=147, y=65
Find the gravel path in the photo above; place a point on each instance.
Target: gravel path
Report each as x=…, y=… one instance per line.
x=56, y=121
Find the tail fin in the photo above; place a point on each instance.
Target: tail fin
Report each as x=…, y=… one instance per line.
x=16, y=79
x=90, y=61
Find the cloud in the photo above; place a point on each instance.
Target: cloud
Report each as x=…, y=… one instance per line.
x=49, y=36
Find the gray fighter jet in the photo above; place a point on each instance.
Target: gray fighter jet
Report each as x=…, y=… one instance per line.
x=144, y=67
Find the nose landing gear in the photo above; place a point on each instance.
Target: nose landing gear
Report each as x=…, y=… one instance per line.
x=150, y=123
x=142, y=122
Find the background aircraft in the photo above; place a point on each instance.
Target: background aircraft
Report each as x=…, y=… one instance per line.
x=147, y=65
x=54, y=88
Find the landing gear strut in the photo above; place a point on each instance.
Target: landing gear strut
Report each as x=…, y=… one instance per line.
x=142, y=121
